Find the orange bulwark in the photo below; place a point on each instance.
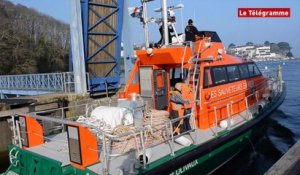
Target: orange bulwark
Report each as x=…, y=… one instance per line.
x=83, y=148
x=31, y=132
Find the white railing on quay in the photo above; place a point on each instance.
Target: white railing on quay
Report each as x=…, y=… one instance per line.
x=51, y=82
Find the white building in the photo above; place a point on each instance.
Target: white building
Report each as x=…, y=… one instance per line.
x=255, y=52
x=243, y=51
x=263, y=52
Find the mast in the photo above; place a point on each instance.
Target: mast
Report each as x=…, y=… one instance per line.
x=165, y=21
x=145, y=22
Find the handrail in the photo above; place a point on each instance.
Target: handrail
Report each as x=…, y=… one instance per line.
x=229, y=105
x=222, y=106
x=111, y=136
x=104, y=135
x=182, y=60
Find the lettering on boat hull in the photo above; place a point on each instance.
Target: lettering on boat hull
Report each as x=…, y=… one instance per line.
x=185, y=168
x=231, y=89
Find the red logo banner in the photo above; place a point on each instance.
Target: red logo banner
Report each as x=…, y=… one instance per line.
x=264, y=12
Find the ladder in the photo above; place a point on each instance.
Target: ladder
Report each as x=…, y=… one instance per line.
x=193, y=76
x=193, y=81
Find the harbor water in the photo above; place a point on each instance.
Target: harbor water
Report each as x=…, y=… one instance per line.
x=281, y=133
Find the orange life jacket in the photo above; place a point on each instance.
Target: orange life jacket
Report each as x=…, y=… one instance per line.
x=175, y=107
x=180, y=110
x=187, y=94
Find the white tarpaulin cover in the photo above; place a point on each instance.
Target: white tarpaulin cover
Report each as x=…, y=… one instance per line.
x=107, y=118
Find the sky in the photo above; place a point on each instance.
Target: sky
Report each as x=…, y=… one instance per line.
x=216, y=15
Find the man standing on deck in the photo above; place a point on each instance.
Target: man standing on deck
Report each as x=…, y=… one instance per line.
x=178, y=110
x=187, y=94
x=190, y=35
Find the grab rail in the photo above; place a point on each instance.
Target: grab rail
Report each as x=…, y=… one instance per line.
x=229, y=108
x=238, y=93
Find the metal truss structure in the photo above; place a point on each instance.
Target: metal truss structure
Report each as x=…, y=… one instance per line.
x=102, y=22
x=102, y=28
x=36, y=84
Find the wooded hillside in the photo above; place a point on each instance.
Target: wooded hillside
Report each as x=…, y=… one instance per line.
x=31, y=42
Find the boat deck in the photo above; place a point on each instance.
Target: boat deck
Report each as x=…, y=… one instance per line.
x=57, y=148
x=198, y=137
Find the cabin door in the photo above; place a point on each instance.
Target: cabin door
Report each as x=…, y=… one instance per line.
x=154, y=87
x=160, y=89
x=146, y=84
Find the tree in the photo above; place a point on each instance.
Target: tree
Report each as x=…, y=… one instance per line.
x=231, y=45
x=284, y=46
x=249, y=44
x=31, y=42
x=274, y=48
x=289, y=54
x=267, y=43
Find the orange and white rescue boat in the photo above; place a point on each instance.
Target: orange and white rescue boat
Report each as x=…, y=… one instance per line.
x=145, y=133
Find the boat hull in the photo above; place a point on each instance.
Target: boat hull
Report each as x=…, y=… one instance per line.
x=206, y=158
x=200, y=159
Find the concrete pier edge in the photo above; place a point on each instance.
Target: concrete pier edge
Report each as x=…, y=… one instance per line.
x=288, y=164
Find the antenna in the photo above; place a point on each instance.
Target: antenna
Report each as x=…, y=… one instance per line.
x=173, y=7
x=194, y=18
x=145, y=21
x=181, y=16
x=167, y=11
x=168, y=18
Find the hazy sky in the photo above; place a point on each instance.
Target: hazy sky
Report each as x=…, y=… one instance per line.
x=218, y=15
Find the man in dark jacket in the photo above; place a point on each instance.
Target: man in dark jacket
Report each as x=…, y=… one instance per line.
x=170, y=30
x=190, y=32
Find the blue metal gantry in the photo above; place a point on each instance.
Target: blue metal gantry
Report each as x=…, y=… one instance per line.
x=102, y=29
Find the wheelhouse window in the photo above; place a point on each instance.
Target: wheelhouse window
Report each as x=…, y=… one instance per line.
x=244, y=72
x=253, y=70
x=176, y=75
x=214, y=76
x=207, y=78
x=233, y=73
x=220, y=75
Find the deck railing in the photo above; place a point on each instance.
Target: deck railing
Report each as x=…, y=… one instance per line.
x=139, y=133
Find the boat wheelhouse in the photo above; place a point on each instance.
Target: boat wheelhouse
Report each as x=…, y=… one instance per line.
x=217, y=79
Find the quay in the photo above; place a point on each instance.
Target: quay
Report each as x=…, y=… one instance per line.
x=288, y=164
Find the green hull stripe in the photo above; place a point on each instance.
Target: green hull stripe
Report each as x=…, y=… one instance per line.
x=240, y=141
x=27, y=163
